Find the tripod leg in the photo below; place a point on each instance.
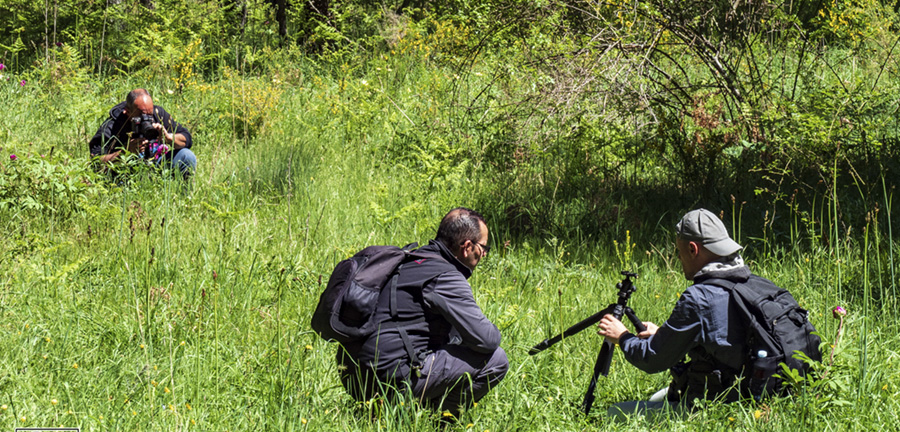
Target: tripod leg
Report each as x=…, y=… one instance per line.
x=571, y=331
x=601, y=366
x=638, y=324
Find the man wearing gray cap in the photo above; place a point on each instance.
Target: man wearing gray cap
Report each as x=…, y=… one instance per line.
x=704, y=325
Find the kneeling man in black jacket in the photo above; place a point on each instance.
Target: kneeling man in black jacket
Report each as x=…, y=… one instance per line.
x=437, y=344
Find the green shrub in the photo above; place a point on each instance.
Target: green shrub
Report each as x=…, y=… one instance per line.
x=35, y=185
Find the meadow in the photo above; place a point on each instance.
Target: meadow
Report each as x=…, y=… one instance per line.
x=144, y=303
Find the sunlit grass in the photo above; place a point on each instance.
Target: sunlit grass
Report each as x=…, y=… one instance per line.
x=155, y=307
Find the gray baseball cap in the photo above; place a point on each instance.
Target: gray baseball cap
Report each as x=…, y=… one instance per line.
x=704, y=227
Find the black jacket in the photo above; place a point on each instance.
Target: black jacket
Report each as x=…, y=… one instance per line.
x=435, y=297
x=114, y=132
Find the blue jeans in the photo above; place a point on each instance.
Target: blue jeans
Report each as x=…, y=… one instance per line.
x=183, y=159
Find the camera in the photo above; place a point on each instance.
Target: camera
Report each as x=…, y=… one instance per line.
x=142, y=126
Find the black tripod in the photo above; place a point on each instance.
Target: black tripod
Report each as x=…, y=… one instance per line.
x=617, y=309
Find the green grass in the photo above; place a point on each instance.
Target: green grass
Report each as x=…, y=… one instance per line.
x=115, y=320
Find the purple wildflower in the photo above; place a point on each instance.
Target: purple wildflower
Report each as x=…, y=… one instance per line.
x=13, y=157
x=58, y=44
x=22, y=83
x=2, y=66
x=838, y=312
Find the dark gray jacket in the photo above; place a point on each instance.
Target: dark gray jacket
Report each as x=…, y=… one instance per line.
x=435, y=296
x=705, y=324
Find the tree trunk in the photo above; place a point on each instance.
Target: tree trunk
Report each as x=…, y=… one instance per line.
x=281, y=17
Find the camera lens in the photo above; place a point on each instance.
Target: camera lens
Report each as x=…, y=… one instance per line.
x=146, y=127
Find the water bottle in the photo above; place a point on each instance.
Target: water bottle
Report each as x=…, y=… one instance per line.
x=760, y=375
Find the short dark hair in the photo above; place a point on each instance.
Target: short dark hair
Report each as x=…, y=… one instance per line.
x=459, y=225
x=135, y=95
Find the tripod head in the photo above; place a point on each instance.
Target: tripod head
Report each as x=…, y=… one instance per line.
x=626, y=287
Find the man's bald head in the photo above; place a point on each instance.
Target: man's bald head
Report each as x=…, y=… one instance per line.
x=138, y=101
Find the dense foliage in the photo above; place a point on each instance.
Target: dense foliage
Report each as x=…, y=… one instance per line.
x=575, y=107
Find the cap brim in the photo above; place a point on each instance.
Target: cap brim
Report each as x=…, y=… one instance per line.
x=723, y=247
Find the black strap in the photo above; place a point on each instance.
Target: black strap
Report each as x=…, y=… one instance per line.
x=414, y=360
x=719, y=282
x=393, y=287
x=413, y=357
x=401, y=328
x=394, y=293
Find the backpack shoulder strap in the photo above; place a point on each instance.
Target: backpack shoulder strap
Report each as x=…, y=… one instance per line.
x=747, y=297
x=411, y=254
x=752, y=291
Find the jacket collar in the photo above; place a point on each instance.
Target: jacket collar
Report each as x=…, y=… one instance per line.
x=447, y=255
x=117, y=110
x=737, y=274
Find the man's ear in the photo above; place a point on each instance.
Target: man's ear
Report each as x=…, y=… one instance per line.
x=694, y=248
x=464, y=248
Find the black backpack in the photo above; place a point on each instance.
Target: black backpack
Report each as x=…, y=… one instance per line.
x=777, y=328
x=346, y=308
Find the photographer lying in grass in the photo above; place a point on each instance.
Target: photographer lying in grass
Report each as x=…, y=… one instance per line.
x=137, y=126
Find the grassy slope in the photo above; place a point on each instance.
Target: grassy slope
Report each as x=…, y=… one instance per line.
x=200, y=323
